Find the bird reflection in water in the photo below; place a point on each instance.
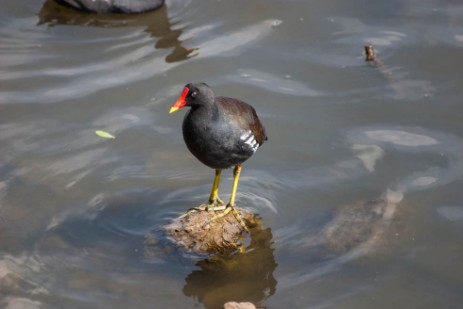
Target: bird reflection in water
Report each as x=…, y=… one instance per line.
x=156, y=23
x=243, y=277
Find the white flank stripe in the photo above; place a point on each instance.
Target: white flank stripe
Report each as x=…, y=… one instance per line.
x=249, y=140
x=245, y=135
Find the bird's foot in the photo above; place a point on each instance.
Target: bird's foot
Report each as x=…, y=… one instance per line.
x=237, y=216
x=215, y=205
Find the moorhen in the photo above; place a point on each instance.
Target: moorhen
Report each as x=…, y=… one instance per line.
x=220, y=132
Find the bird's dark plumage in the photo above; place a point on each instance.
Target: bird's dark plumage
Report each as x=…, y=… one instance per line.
x=221, y=132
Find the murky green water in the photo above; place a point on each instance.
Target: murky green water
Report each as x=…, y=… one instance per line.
x=359, y=185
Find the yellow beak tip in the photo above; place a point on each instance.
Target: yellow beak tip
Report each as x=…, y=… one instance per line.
x=173, y=109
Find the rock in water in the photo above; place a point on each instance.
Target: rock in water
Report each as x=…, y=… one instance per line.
x=204, y=233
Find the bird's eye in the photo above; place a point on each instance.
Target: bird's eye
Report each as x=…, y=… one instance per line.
x=194, y=94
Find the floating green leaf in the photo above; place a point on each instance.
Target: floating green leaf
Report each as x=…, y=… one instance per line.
x=104, y=134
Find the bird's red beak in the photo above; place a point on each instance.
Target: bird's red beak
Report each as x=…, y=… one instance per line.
x=180, y=102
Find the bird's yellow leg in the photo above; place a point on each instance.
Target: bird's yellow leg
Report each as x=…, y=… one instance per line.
x=214, y=197
x=231, y=204
x=236, y=177
x=214, y=203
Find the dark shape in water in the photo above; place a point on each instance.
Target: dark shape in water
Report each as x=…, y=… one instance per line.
x=371, y=57
x=156, y=23
x=369, y=53
x=113, y=6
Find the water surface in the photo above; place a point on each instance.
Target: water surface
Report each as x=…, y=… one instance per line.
x=358, y=187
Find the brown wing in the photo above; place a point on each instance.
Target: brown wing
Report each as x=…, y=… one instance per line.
x=244, y=116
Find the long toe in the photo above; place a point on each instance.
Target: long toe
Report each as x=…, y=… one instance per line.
x=237, y=216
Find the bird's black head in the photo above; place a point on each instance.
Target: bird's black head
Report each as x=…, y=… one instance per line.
x=194, y=95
